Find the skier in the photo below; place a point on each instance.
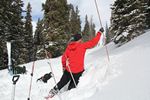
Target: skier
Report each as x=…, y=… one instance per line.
x=73, y=61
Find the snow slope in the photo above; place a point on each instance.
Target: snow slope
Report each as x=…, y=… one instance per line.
x=125, y=77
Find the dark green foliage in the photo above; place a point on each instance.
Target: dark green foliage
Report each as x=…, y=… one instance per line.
x=55, y=29
x=148, y=13
x=3, y=58
x=92, y=29
x=128, y=20
x=10, y=19
x=89, y=30
x=39, y=40
x=20, y=70
x=11, y=26
x=107, y=34
x=86, y=30
x=56, y=26
x=16, y=31
x=29, y=35
x=74, y=20
x=38, y=36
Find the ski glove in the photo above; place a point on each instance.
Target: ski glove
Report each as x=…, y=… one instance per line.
x=101, y=29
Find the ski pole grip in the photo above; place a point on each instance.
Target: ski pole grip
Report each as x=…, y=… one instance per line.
x=15, y=79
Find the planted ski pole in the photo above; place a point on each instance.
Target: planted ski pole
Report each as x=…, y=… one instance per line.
x=53, y=74
x=72, y=76
x=31, y=81
x=49, y=63
x=51, y=67
x=70, y=72
x=108, y=58
x=14, y=79
x=101, y=26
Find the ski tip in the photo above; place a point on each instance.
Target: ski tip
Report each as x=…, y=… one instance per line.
x=47, y=97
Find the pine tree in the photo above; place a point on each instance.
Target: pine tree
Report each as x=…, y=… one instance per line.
x=77, y=24
x=3, y=18
x=137, y=24
x=56, y=15
x=4, y=5
x=86, y=30
x=118, y=22
x=17, y=32
x=15, y=29
x=91, y=28
x=29, y=34
x=39, y=40
x=3, y=57
x=147, y=2
x=16, y=24
x=10, y=15
x=74, y=20
x=108, y=37
x=11, y=26
x=38, y=37
x=127, y=20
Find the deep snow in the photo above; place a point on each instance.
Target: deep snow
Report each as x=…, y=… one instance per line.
x=125, y=77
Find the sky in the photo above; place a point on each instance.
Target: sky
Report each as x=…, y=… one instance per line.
x=86, y=7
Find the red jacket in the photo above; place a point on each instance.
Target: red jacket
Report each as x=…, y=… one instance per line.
x=75, y=53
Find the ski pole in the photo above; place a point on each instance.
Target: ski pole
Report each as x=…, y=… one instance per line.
x=55, y=80
x=14, y=79
x=70, y=72
x=51, y=68
x=101, y=26
x=72, y=76
x=98, y=13
x=31, y=80
x=53, y=74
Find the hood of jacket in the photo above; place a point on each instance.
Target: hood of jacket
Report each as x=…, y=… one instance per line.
x=73, y=45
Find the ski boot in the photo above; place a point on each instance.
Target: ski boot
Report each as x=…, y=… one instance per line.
x=51, y=94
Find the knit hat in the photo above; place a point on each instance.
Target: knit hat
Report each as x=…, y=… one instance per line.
x=76, y=37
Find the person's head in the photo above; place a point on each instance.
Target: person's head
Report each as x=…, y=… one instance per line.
x=76, y=37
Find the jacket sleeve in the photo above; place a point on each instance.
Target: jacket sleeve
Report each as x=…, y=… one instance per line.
x=93, y=42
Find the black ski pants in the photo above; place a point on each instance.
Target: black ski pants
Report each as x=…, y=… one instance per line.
x=66, y=77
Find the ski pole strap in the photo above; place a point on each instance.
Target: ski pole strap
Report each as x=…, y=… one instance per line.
x=15, y=79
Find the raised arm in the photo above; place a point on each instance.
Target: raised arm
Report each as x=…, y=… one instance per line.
x=91, y=43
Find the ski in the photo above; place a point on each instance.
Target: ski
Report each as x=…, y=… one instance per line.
x=48, y=97
x=52, y=93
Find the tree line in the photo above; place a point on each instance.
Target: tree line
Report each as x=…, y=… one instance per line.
x=60, y=21
x=129, y=19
